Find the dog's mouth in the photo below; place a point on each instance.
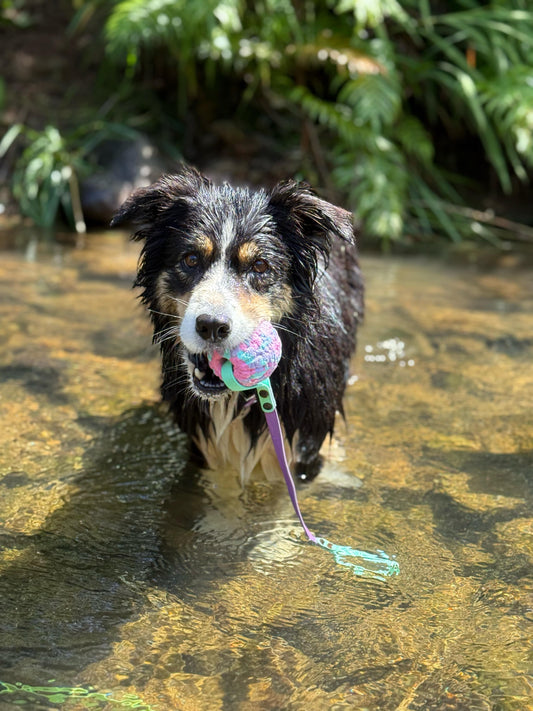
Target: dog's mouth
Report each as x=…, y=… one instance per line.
x=204, y=379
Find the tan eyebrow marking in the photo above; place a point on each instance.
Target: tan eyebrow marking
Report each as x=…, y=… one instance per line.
x=204, y=245
x=247, y=252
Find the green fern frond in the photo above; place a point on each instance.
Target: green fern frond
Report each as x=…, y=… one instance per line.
x=375, y=99
x=414, y=140
x=185, y=28
x=376, y=182
x=430, y=210
x=370, y=13
x=508, y=100
x=489, y=28
x=334, y=116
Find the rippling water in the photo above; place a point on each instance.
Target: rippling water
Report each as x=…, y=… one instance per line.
x=124, y=571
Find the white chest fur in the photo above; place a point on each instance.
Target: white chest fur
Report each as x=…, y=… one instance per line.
x=228, y=444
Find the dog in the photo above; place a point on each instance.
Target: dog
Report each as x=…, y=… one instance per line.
x=216, y=261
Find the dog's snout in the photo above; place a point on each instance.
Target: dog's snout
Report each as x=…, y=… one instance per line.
x=213, y=328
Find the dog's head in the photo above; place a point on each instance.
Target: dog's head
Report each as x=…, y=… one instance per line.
x=218, y=260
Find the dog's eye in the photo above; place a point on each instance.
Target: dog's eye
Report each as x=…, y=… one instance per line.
x=260, y=266
x=191, y=260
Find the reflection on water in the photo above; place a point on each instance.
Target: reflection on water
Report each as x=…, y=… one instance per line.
x=124, y=570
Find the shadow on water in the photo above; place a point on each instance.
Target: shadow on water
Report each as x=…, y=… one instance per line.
x=73, y=581
x=496, y=474
x=40, y=379
x=137, y=514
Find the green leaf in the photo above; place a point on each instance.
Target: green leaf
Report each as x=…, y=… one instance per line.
x=375, y=100
x=9, y=137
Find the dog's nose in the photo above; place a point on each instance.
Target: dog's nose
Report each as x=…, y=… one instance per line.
x=213, y=328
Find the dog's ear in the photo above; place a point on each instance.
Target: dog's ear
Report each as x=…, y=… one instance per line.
x=315, y=217
x=148, y=207
x=307, y=224
x=157, y=211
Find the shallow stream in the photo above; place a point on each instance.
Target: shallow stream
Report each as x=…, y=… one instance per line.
x=129, y=579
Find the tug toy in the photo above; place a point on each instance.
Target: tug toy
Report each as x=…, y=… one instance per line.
x=250, y=366
x=251, y=361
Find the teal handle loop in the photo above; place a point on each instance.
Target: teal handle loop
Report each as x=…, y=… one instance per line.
x=264, y=391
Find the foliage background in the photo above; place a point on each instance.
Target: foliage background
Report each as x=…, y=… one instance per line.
x=410, y=112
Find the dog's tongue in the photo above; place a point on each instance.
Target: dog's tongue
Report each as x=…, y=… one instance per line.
x=253, y=360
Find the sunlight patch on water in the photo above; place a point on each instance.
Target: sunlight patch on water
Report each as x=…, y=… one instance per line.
x=391, y=350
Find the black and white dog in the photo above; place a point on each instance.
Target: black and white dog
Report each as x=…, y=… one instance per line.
x=216, y=261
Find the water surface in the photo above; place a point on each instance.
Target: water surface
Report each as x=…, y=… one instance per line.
x=126, y=571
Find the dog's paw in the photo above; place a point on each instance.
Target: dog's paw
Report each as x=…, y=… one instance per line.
x=307, y=471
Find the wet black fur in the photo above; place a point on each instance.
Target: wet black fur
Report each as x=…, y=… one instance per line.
x=318, y=336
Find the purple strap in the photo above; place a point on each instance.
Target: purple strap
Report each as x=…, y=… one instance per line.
x=277, y=438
